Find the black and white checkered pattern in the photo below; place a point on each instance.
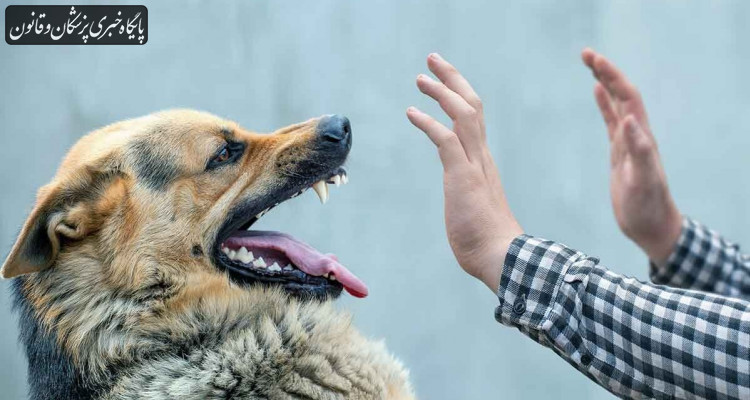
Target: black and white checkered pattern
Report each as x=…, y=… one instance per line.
x=637, y=340
x=705, y=261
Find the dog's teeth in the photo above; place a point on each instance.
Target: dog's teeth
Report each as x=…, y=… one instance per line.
x=322, y=190
x=288, y=267
x=225, y=250
x=245, y=256
x=332, y=277
x=337, y=180
x=274, y=267
x=259, y=263
x=325, y=276
x=232, y=254
x=344, y=179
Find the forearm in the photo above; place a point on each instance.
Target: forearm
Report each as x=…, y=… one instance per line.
x=703, y=260
x=632, y=338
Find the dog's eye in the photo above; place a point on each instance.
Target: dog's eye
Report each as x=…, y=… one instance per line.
x=232, y=151
x=223, y=155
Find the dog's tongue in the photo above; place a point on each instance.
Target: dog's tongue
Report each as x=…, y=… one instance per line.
x=306, y=258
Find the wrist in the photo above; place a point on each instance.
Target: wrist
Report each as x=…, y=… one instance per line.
x=661, y=246
x=494, y=263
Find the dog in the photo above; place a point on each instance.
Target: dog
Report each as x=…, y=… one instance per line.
x=136, y=275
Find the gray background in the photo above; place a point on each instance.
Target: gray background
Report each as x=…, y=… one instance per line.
x=268, y=64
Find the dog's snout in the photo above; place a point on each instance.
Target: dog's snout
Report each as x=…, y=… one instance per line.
x=335, y=128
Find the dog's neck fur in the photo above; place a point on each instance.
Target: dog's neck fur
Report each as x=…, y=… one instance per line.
x=81, y=337
x=51, y=372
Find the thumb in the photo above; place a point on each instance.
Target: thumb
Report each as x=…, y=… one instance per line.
x=637, y=142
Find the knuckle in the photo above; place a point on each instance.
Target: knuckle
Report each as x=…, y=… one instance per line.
x=643, y=147
x=476, y=102
x=470, y=113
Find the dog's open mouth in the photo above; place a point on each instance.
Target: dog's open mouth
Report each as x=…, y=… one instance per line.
x=275, y=258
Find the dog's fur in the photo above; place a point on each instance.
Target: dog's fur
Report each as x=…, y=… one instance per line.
x=119, y=298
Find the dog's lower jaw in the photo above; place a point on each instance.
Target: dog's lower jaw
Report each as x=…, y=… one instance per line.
x=290, y=350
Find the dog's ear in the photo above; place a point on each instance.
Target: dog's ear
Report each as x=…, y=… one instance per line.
x=66, y=210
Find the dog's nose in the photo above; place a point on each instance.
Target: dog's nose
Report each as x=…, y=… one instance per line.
x=335, y=128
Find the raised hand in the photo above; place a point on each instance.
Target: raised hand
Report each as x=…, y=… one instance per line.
x=642, y=203
x=478, y=220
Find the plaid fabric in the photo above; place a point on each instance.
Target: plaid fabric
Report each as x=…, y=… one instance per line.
x=635, y=339
x=703, y=260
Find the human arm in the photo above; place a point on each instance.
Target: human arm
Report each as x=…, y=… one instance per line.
x=683, y=252
x=635, y=339
x=588, y=315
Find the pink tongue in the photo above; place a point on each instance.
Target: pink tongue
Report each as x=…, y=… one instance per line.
x=306, y=258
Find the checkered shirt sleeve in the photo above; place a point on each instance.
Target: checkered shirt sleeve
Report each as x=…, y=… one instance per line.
x=635, y=339
x=703, y=260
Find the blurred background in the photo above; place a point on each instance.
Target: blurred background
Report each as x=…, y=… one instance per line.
x=269, y=64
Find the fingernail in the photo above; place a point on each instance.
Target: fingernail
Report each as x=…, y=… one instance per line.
x=435, y=56
x=411, y=109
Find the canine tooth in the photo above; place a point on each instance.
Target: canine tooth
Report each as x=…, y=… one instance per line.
x=259, y=263
x=322, y=190
x=274, y=267
x=337, y=180
x=288, y=267
x=232, y=254
x=344, y=179
x=332, y=277
x=225, y=250
x=325, y=275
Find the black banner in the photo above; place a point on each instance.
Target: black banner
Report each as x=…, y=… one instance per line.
x=76, y=24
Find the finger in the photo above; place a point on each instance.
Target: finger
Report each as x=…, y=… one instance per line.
x=449, y=75
x=454, y=105
x=464, y=116
x=588, y=55
x=606, y=108
x=638, y=144
x=626, y=98
x=615, y=81
x=449, y=146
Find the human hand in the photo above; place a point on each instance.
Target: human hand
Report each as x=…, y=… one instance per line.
x=641, y=200
x=478, y=220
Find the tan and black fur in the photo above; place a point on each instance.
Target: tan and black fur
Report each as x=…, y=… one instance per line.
x=118, y=295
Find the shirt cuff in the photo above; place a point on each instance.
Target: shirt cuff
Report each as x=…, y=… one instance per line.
x=694, y=242
x=532, y=274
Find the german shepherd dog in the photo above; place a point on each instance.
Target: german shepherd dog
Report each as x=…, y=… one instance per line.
x=137, y=277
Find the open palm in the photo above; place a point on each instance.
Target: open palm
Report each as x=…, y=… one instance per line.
x=642, y=203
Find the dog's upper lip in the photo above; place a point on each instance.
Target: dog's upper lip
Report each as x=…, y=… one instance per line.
x=246, y=214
